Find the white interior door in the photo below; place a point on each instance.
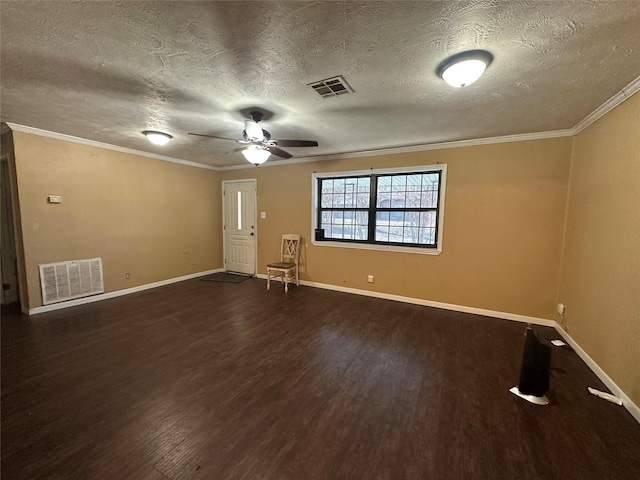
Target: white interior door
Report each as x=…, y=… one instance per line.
x=239, y=199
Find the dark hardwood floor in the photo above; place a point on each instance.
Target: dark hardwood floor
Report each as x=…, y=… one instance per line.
x=205, y=380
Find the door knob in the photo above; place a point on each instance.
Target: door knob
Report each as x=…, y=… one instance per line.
x=252, y=234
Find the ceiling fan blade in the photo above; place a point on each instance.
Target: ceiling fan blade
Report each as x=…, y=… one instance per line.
x=278, y=152
x=212, y=136
x=297, y=143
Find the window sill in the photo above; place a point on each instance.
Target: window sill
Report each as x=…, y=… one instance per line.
x=384, y=248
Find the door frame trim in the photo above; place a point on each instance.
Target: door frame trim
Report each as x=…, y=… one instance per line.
x=255, y=222
x=21, y=277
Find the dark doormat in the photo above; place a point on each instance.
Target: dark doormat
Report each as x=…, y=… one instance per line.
x=225, y=277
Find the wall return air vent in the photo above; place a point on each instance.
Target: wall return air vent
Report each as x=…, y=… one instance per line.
x=68, y=280
x=331, y=87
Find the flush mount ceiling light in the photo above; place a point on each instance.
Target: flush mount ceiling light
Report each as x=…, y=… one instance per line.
x=256, y=154
x=464, y=68
x=157, y=138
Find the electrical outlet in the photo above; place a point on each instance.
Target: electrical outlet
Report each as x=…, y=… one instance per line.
x=370, y=278
x=560, y=308
x=127, y=276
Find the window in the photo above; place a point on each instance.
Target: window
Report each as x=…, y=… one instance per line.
x=381, y=208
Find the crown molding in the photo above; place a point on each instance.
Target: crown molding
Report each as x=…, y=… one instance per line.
x=107, y=146
x=624, y=94
x=606, y=107
x=338, y=156
x=523, y=137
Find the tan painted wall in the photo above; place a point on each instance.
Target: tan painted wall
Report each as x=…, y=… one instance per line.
x=504, y=217
x=600, y=281
x=156, y=220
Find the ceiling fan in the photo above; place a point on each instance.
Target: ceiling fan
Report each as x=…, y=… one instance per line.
x=259, y=143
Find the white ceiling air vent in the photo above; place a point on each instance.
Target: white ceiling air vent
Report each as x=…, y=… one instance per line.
x=67, y=280
x=331, y=87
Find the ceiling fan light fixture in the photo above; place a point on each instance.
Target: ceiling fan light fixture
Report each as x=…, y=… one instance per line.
x=256, y=154
x=253, y=131
x=464, y=68
x=157, y=138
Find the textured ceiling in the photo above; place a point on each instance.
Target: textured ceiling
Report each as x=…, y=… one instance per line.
x=105, y=71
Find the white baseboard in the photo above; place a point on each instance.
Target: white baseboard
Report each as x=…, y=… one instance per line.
x=118, y=293
x=428, y=303
x=611, y=385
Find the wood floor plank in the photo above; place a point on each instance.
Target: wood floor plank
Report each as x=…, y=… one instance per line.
x=207, y=380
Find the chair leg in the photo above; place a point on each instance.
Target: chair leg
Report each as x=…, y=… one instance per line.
x=286, y=283
x=268, y=278
x=297, y=278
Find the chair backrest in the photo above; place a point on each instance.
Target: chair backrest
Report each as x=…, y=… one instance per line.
x=290, y=247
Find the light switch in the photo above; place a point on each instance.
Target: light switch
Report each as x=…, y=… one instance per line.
x=55, y=199
x=263, y=214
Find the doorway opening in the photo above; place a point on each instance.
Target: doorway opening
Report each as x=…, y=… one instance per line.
x=9, y=256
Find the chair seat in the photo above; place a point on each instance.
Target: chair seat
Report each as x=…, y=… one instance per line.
x=281, y=265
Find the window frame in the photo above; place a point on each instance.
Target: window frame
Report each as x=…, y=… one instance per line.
x=373, y=175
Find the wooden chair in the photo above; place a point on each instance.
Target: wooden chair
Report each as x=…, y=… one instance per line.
x=287, y=267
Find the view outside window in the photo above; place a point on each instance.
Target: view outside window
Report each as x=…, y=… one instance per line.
x=396, y=209
x=345, y=206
